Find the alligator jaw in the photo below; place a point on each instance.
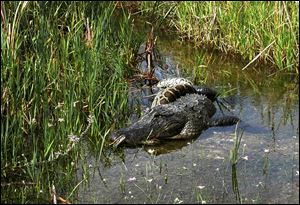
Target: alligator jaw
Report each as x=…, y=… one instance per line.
x=118, y=141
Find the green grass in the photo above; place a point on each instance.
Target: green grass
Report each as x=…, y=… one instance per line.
x=53, y=76
x=268, y=31
x=234, y=158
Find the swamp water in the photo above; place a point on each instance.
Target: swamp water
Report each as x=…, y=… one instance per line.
x=199, y=170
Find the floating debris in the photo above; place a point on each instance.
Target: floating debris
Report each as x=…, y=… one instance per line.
x=150, y=151
x=177, y=201
x=149, y=180
x=131, y=179
x=245, y=158
x=201, y=187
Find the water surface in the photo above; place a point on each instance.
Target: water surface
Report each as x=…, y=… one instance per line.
x=199, y=171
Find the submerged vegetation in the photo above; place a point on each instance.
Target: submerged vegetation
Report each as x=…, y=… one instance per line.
x=65, y=67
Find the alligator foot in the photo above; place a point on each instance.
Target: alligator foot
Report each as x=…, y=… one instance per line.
x=223, y=121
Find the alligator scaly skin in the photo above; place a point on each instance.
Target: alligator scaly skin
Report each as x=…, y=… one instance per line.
x=184, y=118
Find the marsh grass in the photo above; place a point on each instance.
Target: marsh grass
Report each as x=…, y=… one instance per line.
x=234, y=152
x=268, y=31
x=234, y=157
x=60, y=63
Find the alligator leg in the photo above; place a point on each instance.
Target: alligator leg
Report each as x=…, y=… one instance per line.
x=224, y=121
x=190, y=130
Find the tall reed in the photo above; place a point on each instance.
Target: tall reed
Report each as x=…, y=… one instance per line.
x=260, y=31
x=60, y=63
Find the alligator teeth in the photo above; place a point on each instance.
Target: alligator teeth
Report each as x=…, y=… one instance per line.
x=118, y=141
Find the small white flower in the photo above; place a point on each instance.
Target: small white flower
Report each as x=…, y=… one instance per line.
x=149, y=180
x=131, y=179
x=41, y=191
x=194, y=164
x=201, y=187
x=244, y=145
x=177, y=201
x=137, y=165
x=50, y=124
x=203, y=202
x=90, y=166
x=184, y=168
x=61, y=119
x=245, y=158
x=160, y=187
x=129, y=192
x=150, y=151
x=297, y=173
x=266, y=150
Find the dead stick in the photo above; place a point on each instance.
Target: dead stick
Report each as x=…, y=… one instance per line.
x=258, y=55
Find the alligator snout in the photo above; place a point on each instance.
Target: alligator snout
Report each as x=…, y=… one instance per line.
x=116, y=139
x=113, y=136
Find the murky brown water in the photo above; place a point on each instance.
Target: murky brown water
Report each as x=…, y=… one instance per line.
x=199, y=171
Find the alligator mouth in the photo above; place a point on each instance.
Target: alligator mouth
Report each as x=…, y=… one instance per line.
x=118, y=141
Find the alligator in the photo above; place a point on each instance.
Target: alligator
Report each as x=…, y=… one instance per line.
x=180, y=109
x=185, y=117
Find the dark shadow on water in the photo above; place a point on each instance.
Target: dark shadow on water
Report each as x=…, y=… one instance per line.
x=163, y=147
